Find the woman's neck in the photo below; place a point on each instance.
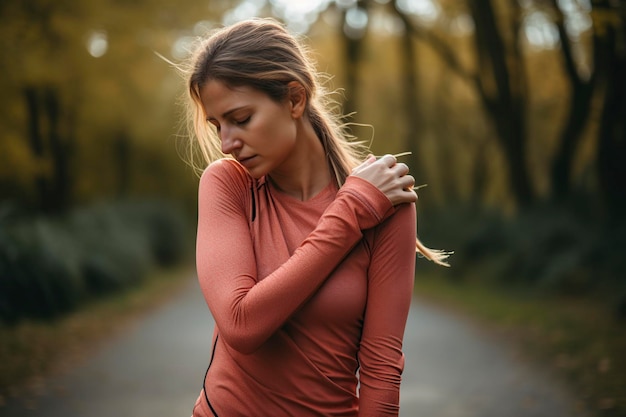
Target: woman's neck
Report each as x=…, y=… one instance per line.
x=307, y=172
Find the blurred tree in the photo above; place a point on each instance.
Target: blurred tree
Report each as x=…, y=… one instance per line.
x=582, y=86
x=410, y=90
x=498, y=79
x=501, y=84
x=36, y=141
x=47, y=142
x=610, y=18
x=61, y=147
x=605, y=68
x=76, y=74
x=355, y=24
x=31, y=35
x=352, y=39
x=123, y=156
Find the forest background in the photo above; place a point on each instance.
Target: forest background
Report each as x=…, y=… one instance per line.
x=514, y=113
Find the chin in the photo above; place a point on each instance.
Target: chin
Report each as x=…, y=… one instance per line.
x=256, y=172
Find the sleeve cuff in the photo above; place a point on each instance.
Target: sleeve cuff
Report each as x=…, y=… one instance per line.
x=373, y=200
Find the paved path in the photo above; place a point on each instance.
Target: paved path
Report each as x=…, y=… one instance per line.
x=155, y=368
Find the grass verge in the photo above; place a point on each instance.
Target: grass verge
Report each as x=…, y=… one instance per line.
x=33, y=349
x=578, y=340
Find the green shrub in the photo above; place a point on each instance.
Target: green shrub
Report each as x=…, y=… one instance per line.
x=39, y=273
x=548, y=248
x=115, y=250
x=49, y=266
x=164, y=228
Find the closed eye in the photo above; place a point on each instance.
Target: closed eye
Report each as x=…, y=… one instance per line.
x=242, y=122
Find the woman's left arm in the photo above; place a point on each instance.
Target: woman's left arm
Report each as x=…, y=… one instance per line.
x=390, y=287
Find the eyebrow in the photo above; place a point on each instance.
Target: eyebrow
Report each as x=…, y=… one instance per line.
x=227, y=113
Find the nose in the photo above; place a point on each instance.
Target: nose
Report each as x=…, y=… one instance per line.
x=229, y=141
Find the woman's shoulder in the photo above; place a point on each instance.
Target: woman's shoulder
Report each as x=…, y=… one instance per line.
x=403, y=222
x=227, y=172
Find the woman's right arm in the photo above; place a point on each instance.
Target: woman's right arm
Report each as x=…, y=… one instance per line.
x=248, y=312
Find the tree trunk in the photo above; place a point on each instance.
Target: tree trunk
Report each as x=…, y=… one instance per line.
x=60, y=153
x=502, y=96
x=36, y=142
x=577, y=114
x=122, y=158
x=410, y=101
x=569, y=138
x=611, y=157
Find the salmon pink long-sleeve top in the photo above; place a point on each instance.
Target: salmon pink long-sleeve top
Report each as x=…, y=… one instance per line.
x=310, y=298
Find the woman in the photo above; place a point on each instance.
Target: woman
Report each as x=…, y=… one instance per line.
x=305, y=255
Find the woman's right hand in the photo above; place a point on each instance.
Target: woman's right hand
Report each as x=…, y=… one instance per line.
x=390, y=177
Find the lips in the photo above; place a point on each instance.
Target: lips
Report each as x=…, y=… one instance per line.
x=246, y=160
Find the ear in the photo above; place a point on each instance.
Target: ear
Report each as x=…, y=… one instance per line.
x=297, y=99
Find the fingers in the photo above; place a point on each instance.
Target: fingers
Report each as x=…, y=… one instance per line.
x=407, y=182
x=401, y=169
x=401, y=195
x=391, y=161
x=408, y=193
x=386, y=165
x=409, y=196
x=403, y=191
x=368, y=161
x=388, y=160
x=389, y=176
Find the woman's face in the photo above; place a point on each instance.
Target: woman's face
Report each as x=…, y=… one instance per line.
x=256, y=130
